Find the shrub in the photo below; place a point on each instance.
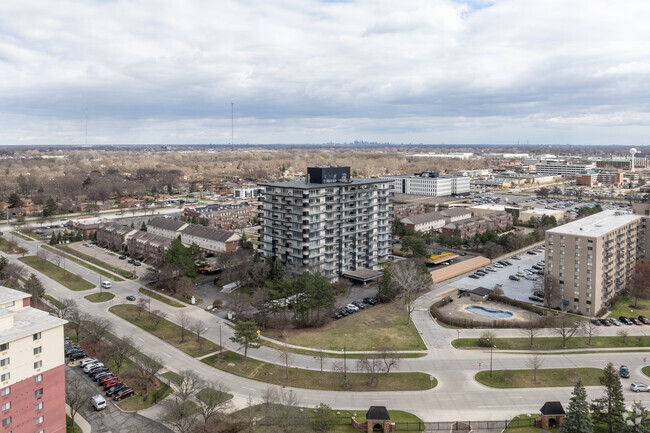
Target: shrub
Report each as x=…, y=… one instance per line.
x=487, y=339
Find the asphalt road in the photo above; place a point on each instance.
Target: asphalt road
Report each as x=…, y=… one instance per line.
x=457, y=396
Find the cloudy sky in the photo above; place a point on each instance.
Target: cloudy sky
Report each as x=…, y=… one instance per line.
x=309, y=71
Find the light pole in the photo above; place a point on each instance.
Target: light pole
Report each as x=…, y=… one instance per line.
x=345, y=366
x=220, y=345
x=491, y=347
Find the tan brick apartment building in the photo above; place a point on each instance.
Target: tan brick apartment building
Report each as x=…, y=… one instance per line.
x=590, y=261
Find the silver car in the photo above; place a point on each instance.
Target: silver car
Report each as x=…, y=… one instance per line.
x=639, y=387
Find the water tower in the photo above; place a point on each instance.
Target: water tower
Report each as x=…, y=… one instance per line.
x=632, y=152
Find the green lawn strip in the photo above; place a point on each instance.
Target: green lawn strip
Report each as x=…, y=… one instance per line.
x=555, y=343
x=24, y=236
x=622, y=308
x=100, y=297
x=316, y=354
x=96, y=261
x=366, y=330
x=140, y=401
x=70, y=427
x=313, y=379
x=9, y=247
x=522, y=424
x=68, y=279
x=646, y=370
x=545, y=377
x=160, y=297
x=54, y=301
x=171, y=376
x=166, y=331
x=84, y=264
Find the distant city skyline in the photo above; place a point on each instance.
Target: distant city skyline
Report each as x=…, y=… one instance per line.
x=434, y=71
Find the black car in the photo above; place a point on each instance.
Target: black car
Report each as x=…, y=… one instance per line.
x=136, y=263
x=99, y=369
x=507, y=263
x=624, y=372
x=532, y=253
x=69, y=353
x=474, y=276
x=131, y=261
x=344, y=312
x=98, y=376
x=72, y=348
x=596, y=322
x=625, y=320
x=359, y=304
x=122, y=257
x=535, y=299
x=514, y=278
x=78, y=355
x=371, y=301
x=338, y=316
x=115, y=389
x=130, y=298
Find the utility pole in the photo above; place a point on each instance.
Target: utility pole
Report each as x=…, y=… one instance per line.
x=491, y=347
x=232, y=123
x=220, y=345
x=345, y=366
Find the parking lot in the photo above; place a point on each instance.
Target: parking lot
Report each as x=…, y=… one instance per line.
x=521, y=289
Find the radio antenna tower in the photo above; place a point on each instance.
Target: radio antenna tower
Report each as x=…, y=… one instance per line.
x=86, y=115
x=232, y=123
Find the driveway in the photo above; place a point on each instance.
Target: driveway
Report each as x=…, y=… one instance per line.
x=112, y=419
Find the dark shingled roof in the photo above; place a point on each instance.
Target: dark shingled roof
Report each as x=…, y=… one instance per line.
x=378, y=413
x=551, y=408
x=166, y=223
x=208, y=232
x=481, y=291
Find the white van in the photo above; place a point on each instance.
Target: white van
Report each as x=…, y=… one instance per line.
x=98, y=402
x=106, y=284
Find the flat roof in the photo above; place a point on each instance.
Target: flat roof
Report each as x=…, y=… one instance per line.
x=301, y=184
x=28, y=321
x=8, y=295
x=597, y=224
x=540, y=211
x=363, y=274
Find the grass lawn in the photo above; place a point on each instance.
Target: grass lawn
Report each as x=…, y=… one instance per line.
x=313, y=379
x=70, y=427
x=96, y=261
x=166, y=331
x=100, y=297
x=521, y=424
x=555, y=343
x=160, y=297
x=316, y=354
x=622, y=308
x=84, y=264
x=140, y=401
x=545, y=377
x=54, y=301
x=366, y=330
x=26, y=237
x=68, y=279
x=646, y=370
x=9, y=247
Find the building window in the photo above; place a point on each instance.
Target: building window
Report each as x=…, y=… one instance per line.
x=4, y=347
x=6, y=406
x=39, y=420
x=38, y=364
x=39, y=406
x=38, y=350
x=5, y=376
x=36, y=336
x=38, y=378
x=38, y=392
x=6, y=421
x=5, y=391
x=4, y=362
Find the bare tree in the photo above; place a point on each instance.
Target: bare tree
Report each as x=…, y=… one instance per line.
x=239, y=304
x=531, y=328
x=623, y=334
x=535, y=361
x=285, y=355
x=639, y=286
x=186, y=384
x=142, y=306
x=77, y=393
x=63, y=309
x=372, y=366
x=180, y=415
x=157, y=316
x=56, y=258
x=566, y=327
x=591, y=330
x=212, y=400
x=146, y=368
x=198, y=327
x=76, y=321
x=410, y=278
x=321, y=356
x=550, y=287
x=120, y=351
x=97, y=328
x=183, y=320
x=389, y=358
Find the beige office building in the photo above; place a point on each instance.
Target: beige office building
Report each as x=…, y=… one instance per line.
x=591, y=259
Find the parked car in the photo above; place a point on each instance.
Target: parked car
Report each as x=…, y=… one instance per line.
x=115, y=389
x=497, y=265
x=99, y=376
x=106, y=379
x=532, y=253
x=123, y=393
x=359, y=305
x=137, y=263
x=644, y=320
x=625, y=320
x=530, y=278
x=639, y=387
x=624, y=372
x=490, y=268
x=539, y=293
x=613, y=321
x=371, y=301
x=635, y=321
x=338, y=316
x=112, y=383
x=85, y=362
x=514, y=278
x=507, y=263
x=515, y=258
x=89, y=367
x=474, y=276
x=605, y=322
x=98, y=402
x=535, y=299
x=78, y=355
x=352, y=307
x=596, y=322
x=130, y=298
x=122, y=257
x=106, y=284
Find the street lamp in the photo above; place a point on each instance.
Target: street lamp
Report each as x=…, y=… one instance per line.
x=345, y=366
x=491, y=347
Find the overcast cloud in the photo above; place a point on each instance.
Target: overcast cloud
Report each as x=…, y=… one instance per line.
x=307, y=71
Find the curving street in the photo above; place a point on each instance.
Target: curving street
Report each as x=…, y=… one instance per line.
x=457, y=396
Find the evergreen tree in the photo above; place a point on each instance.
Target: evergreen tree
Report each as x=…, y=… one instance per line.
x=59, y=237
x=276, y=273
x=79, y=237
x=50, y=207
x=14, y=200
x=637, y=421
x=181, y=256
x=143, y=227
x=53, y=240
x=578, y=419
x=34, y=287
x=246, y=336
x=386, y=292
x=609, y=409
x=132, y=225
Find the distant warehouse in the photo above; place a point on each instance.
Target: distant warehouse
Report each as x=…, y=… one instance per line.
x=429, y=183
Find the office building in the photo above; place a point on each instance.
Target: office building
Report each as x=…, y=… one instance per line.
x=589, y=261
x=32, y=375
x=563, y=168
x=328, y=223
x=429, y=183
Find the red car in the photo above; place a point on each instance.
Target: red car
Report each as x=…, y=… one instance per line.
x=111, y=383
x=108, y=378
x=125, y=393
x=644, y=320
x=636, y=321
